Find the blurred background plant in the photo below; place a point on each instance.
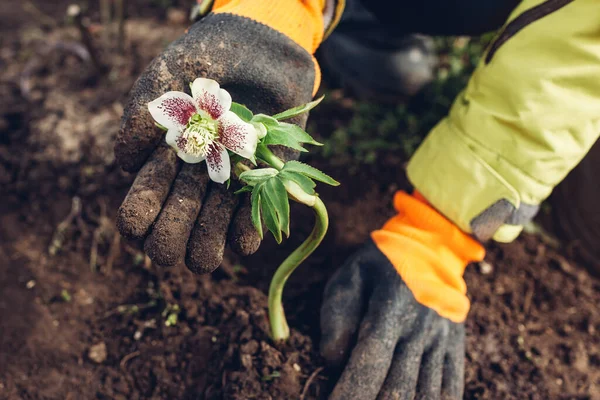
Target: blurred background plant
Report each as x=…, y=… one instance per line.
x=364, y=131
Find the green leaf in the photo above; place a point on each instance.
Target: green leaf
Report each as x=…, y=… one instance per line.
x=292, y=112
x=268, y=121
x=272, y=198
x=288, y=135
x=297, y=133
x=270, y=217
x=256, y=221
x=244, y=189
x=279, y=137
x=270, y=377
x=279, y=199
x=283, y=133
x=65, y=295
x=241, y=111
x=256, y=176
x=311, y=172
x=307, y=184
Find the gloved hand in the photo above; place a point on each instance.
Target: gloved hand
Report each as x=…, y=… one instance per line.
x=258, y=52
x=393, y=314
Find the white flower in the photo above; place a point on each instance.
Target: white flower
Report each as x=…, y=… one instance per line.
x=201, y=127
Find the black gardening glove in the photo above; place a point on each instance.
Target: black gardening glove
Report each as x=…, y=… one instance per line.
x=172, y=205
x=389, y=346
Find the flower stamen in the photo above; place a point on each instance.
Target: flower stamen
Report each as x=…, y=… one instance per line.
x=198, y=136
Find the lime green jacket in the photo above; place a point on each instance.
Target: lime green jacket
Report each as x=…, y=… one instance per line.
x=530, y=113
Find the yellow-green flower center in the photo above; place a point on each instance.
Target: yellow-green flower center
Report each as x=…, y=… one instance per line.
x=201, y=131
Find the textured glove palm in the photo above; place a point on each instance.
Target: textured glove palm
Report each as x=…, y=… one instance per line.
x=395, y=310
x=390, y=346
x=174, y=207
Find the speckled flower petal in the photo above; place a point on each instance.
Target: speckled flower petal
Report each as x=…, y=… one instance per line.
x=219, y=165
x=172, y=110
x=189, y=158
x=209, y=97
x=171, y=137
x=237, y=135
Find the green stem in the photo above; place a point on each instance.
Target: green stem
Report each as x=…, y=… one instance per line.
x=239, y=168
x=280, y=330
x=267, y=156
x=279, y=327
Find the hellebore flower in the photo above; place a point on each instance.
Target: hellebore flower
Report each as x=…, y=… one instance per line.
x=202, y=127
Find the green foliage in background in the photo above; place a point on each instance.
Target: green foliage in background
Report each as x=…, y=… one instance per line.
x=376, y=128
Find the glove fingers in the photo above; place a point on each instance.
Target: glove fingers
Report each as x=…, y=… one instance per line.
x=207, y=243
x=341, y=310
x=147, y=194
x=401, y=381
x=243, y=237
x=453, y=380
x=429, y=386
x=378, y=335
x=167, y=242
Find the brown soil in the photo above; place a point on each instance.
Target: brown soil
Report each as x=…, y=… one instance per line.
x=84, y=315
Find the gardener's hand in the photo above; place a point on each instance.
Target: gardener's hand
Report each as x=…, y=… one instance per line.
x=394, y=313
x=392, y=346
x=172, y=205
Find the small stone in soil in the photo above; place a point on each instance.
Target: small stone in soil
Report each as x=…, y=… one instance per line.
x=97, y=353
x=246, y=361
x=249, y=348
x=485, y=268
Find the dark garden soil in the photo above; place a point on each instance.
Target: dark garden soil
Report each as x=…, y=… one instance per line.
x=84, y=315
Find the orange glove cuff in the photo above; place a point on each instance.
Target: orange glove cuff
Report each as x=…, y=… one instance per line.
x=430, y=253
x=301, y=21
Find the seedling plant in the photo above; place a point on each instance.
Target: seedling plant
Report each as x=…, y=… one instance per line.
x=209, y=126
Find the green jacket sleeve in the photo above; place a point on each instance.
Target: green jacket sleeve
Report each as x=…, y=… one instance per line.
x=529, y=114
